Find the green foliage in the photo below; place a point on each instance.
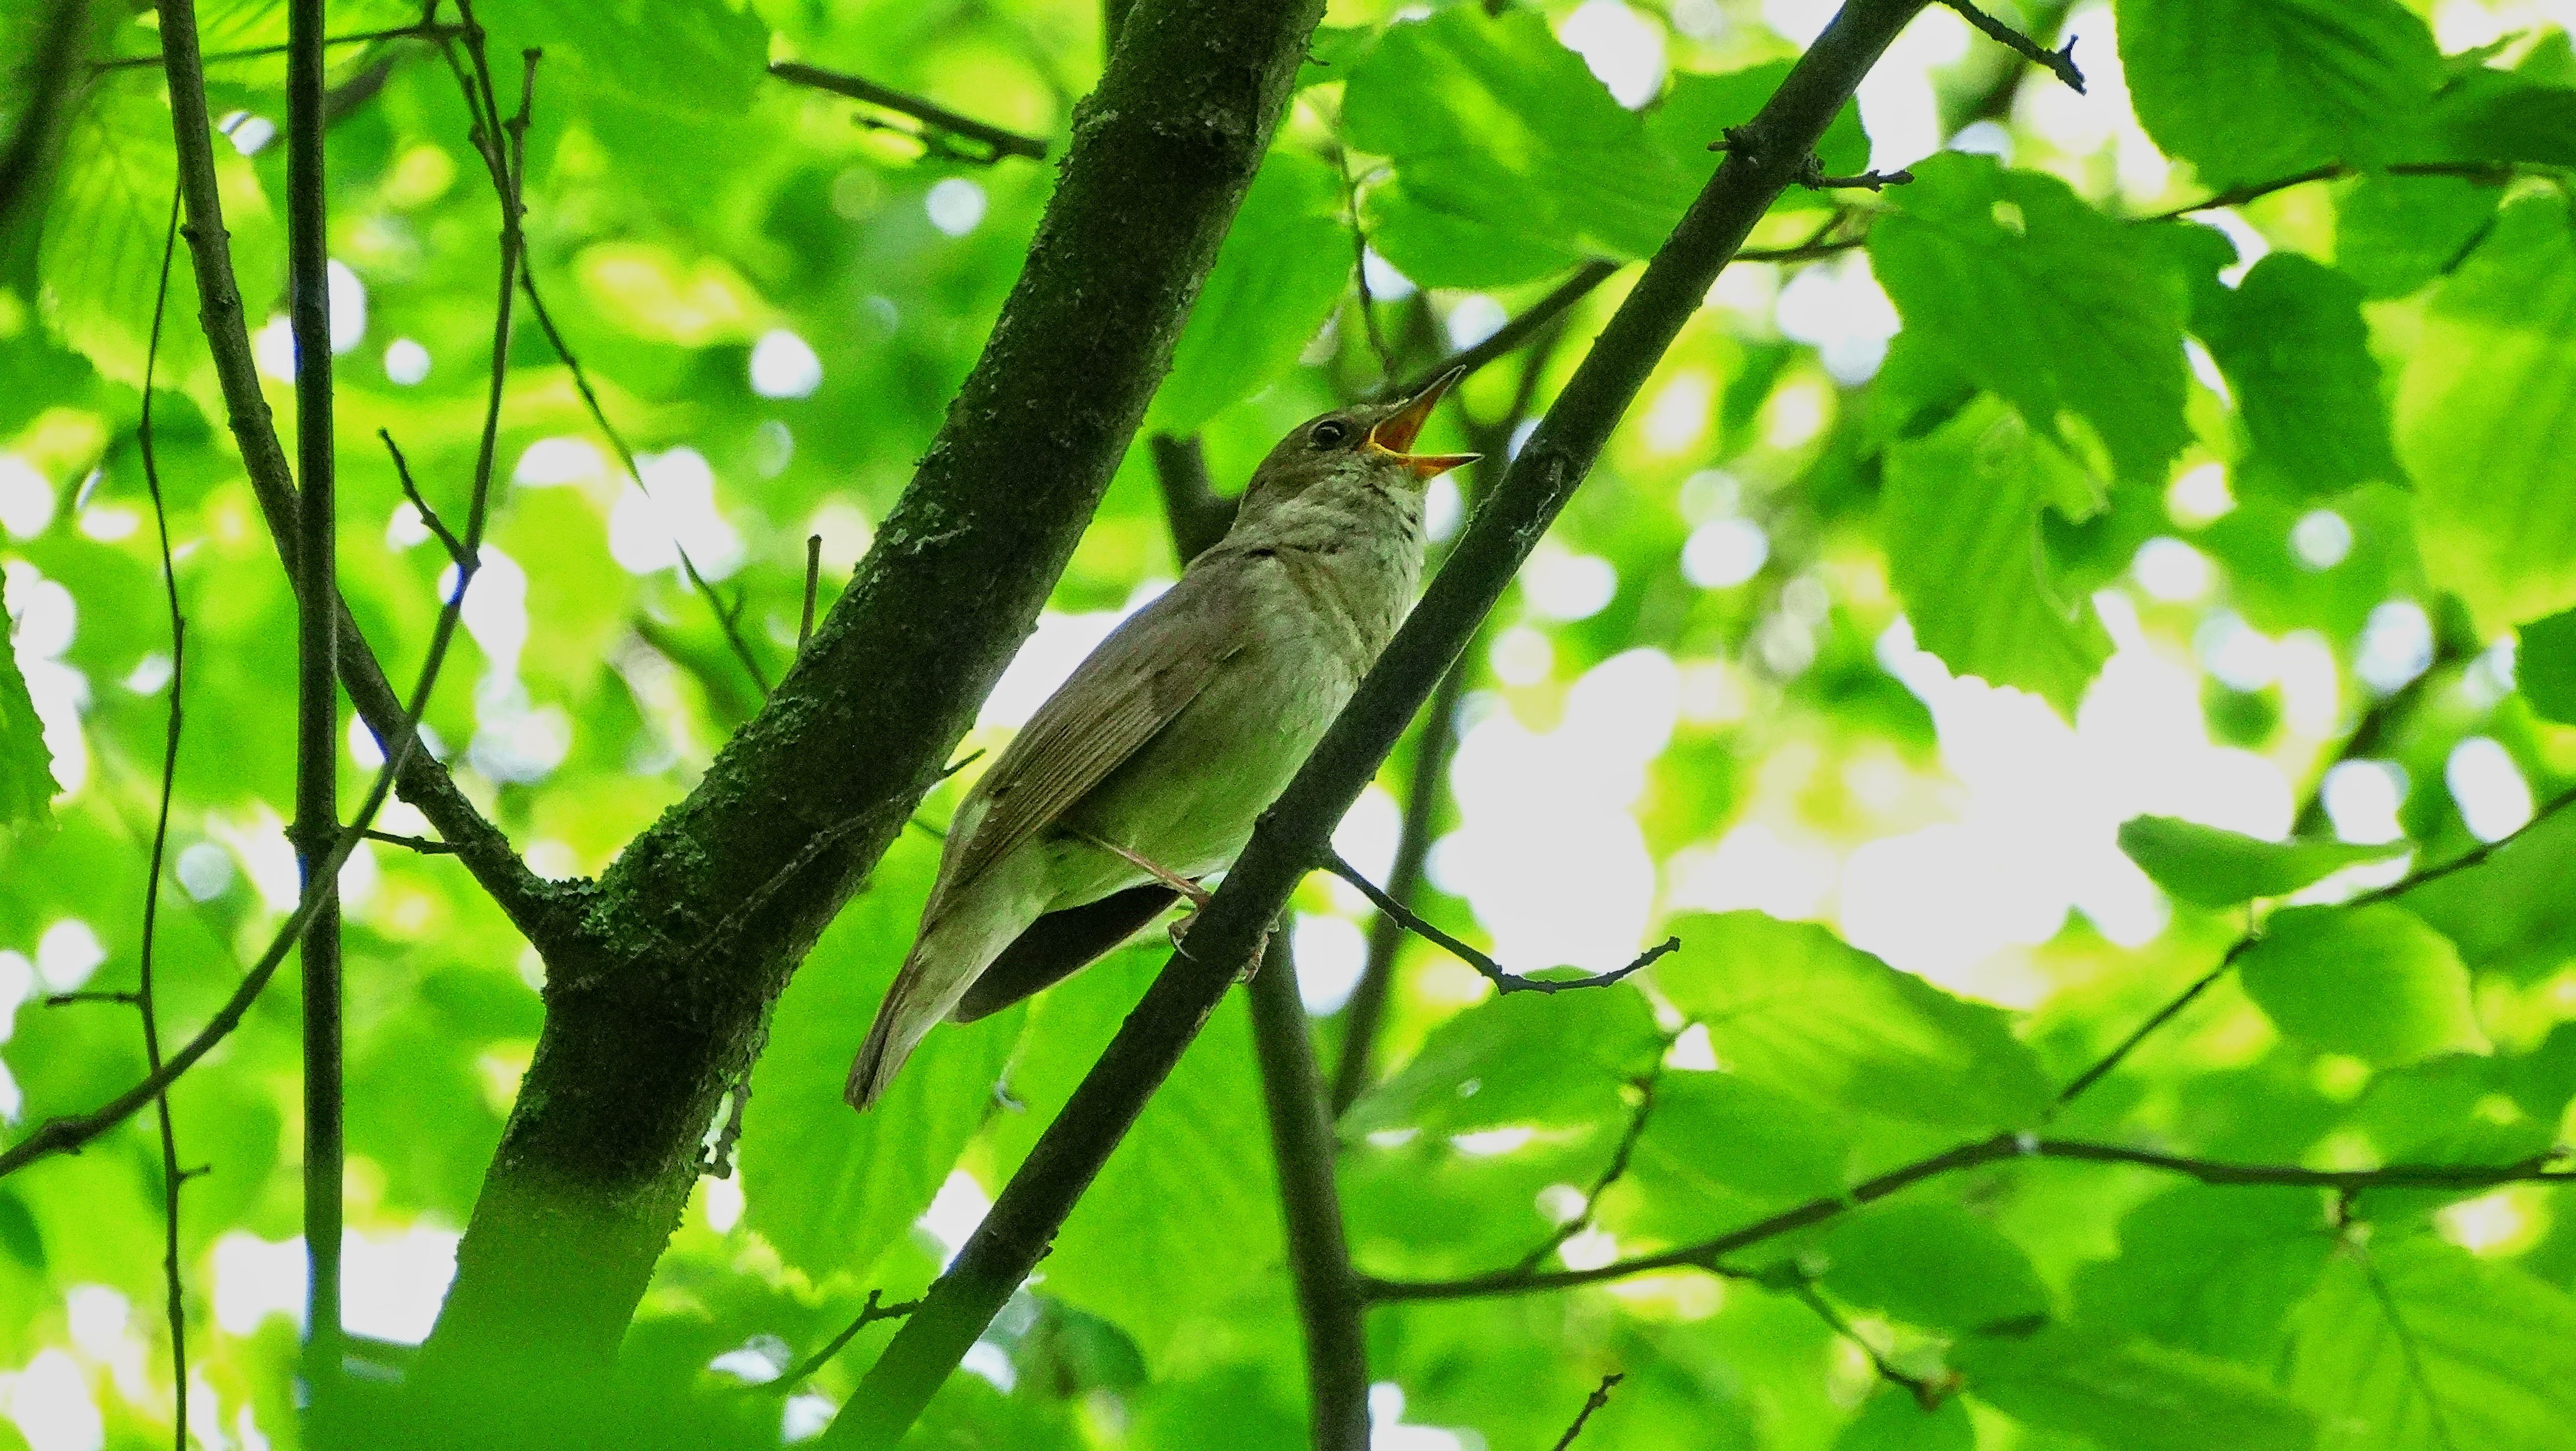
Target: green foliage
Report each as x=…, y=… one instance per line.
x=2486, y=416
x=2373, y=982
x=2247, y=90
x=1789, y=1005
x=2020, y=288
x=1969, y=501
x=27, y=783
x=1698, y=700
x=2208, y=867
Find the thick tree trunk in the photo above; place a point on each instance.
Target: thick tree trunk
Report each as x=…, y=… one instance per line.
x=657, y=1004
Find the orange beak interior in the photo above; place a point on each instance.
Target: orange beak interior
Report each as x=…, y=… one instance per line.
x=1395, y=434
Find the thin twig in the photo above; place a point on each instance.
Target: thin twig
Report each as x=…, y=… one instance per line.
x=1359, y=267
x=1600, y=1397
x=145, y=980
x=1504, y=981
x=599, y=415
x=1709, y=1254
x=117, y=996
x=447, y=539
x=1611, y=1173
x=1000, y=143
x=2059, y=62
x=1928, y=1393
x=813, y=583
x=422, y=31
x=420, y=844
x=1812, y=176
x=2412, y=880
x=1508, y=338
x=797, y=1374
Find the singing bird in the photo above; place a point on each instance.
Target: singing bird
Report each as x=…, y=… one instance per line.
x=1144, y=773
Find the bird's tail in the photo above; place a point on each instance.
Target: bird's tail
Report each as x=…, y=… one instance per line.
x=959, y=939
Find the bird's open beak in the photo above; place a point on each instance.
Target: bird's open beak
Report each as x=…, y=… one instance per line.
x=1394, y=435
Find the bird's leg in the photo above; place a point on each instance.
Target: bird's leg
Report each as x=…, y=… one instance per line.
x=1196, y=895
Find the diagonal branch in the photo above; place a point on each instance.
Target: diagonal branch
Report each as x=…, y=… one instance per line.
x=537, y=908
x=1294, y=834
x=997, y=142
x=1508, y=982
x=1600, y=1397
x=2059, y=62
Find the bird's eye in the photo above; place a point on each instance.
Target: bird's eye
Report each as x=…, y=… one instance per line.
x=1330, y=432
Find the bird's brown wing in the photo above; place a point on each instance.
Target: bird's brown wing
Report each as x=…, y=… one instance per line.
x=1132, y=686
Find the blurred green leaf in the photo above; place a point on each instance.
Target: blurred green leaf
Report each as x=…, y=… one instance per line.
x=1276, y=279
x=1519, y=1058
x=2372, y=981
x=1510, y=160
x=2544, y=666
x=1790, y=1005
x=2417, y=1345
x=1961, y=518
x=2032, y=295
x=2508, y=912
x=1891, y=1421
x=2130, y=1395
x=2210, y=867
x=2215, y=1269
x=2498, y=116
x=27, y=784
x=1932, y=1263
x=1734, y=1133
x=2393, y=234
x=2249, y=90
x=2294, y=348
x=2486, y=419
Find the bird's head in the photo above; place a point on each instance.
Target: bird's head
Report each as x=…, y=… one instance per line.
x=1334, y=463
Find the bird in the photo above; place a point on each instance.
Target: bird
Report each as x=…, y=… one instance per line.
x=1145, y=772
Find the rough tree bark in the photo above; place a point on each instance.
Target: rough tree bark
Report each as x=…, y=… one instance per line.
x=658, y=1000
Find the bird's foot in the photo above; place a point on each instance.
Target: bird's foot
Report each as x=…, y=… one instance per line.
x=1251, y=966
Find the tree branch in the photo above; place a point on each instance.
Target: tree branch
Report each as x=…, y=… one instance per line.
x=1707, y=1254
x=2059, y=62
x=997, y=142
x=1319, y=1253
x=653, y=1018
x=1508, y=338
x=1600, y=1397
x=1611, y=1173
x=426, y=30
x=869, y=1314
x=536, y=907
x=48, y=71
x=1508, y=982
x=1294, y=834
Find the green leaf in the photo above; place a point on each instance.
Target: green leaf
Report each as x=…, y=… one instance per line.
x=2393, y=234
x=2212, y=1269
x=1790, y=1005
x=2249, y=90
x=1697, y=109
x=2209, y=867
x=1521, y=1058
x=1724, y=1130
x=1931, y=1263
x=2372, y=981
x=1510, y=160
x=2294, y=348
x=1892, y=1421
x=2544, y=666
x=830, y=1188
x=2130, y=1395
x=27, y=784
x=2486, y=420
x=2511, y=912
x=1276, y=279
x=1961, y=520
x=2013, y=281
x=703, y=57
x=2444, y=1351
x=2496, y=116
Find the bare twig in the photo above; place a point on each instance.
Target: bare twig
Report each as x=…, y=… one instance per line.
x=1359, y=267
x=175, y=1291
x=426, y=30
x=1509, y=982
x=117, y=996
x=420, y=844
x=869, y=1314
x=1709, y=1254
x=2059, y=62
x=1600, y=1397
x=1611, y=1173
x=813, y=583
x=1928, y=1393
x=447, y=539
x=998, y=142
x=634, y=470
x=1812, y=176
x=1508, y=338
